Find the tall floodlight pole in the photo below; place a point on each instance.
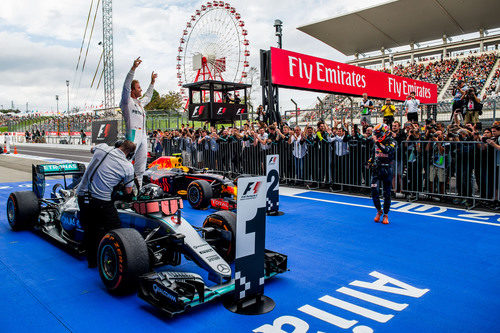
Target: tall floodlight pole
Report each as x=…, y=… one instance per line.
x=67, y=93
x=57, y=101
x=279, y=32
x=109, y=74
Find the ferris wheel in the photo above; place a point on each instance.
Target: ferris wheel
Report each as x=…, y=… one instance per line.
x=213, y=46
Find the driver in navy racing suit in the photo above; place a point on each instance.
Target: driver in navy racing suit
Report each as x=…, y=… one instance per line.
x=381, y=165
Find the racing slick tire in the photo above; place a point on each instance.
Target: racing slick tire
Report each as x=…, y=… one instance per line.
x=22, y=210
x=223, y=220
x=199, y=194
x=122, y=258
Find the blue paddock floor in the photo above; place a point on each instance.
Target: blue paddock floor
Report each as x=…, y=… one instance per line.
x=432, y=269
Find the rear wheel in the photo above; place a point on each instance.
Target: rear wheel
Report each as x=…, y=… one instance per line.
x=224, y=222
x=199, y=194
x=22, y=210
x=123, y=257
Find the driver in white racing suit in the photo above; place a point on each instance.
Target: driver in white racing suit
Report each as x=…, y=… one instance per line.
x=132, y=107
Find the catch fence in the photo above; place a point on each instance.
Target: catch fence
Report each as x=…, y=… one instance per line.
x=450, y=171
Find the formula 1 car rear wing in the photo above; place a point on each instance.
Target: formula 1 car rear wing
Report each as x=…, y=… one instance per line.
x=41, y=171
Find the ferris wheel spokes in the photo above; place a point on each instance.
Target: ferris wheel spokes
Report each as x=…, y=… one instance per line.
x=213, y=45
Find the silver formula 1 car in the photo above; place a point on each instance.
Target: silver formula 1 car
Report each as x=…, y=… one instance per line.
x=153, y=234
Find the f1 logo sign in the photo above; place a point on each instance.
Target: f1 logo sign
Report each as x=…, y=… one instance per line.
x=240, y=111
x=250, y=237
x=198, y=110
x=273, y=182
x=272, y=160
x=221, y=111
x=254, y=187
x=103, y=131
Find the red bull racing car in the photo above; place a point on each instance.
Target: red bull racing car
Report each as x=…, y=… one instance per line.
x=200, y=187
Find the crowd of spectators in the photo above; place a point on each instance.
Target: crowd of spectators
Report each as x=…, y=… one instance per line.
x=491, y=90
x=35, y=135
x=475, y=70
x=437, y=72
x=457, y=161
x=54, y=123
x=4, y=119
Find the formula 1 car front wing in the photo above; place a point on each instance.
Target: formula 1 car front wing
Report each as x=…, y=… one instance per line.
x=175, y=292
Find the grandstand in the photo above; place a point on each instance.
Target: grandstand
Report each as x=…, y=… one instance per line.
x=448, y=42
x=57, y=123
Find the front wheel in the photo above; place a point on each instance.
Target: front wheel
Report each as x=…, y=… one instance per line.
x=199, y=194
x=123, y=257
x=22, y=210
x=224, y=238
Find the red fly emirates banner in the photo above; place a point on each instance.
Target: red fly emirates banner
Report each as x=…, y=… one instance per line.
x=296, y=70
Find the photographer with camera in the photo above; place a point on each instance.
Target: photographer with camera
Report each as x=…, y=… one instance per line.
x=413, y=168
x=388, y=110
x=323, y=139
x=485, y=165
x=399, y=136
x=261, y=114
x=436, y=153
x=224, y=157
x=310, y=167
x=355, y=142
x=458, y=93
x=248, y=147
x=464, y=163
x=472, y=105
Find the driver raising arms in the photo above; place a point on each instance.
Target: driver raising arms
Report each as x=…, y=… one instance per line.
x=108, y=168
x=132, y=106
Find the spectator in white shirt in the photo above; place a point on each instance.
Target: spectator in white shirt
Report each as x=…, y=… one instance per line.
x=297, y=139
x=412, y=106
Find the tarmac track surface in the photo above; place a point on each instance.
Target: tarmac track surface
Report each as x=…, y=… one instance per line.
x=60, y=153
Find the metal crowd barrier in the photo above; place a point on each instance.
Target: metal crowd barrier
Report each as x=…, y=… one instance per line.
x=52, y=139
x=422, y=169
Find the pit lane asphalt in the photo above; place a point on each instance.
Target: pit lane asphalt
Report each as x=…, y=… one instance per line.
x=17, y=168
x=14, y=169
x=77, y=155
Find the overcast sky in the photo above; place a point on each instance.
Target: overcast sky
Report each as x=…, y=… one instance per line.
x=41, y=40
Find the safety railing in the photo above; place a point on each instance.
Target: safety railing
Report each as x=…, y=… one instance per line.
x=441, y=112
x=453, y=170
